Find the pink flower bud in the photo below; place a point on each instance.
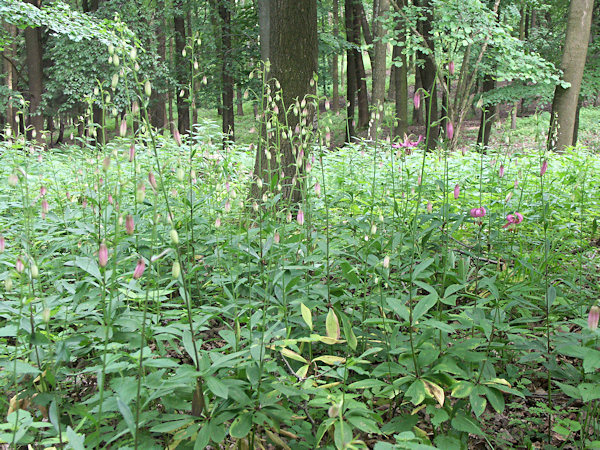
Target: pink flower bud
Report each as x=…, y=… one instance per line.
x=13, y=180
x=19, y=266
x=106, y=163
x=139, y=269
x=123, y=128
x=218, y=222
x=227, y=207
x=129, y=224
x=2, y=243
x=152, y=180
x=501, y=171
x=103, y=255
x=451, y=67
x=318, y=189
x=45, y=206
x=110, y=199
x=276, y=237
x=544, y=168
x=449, y=130
x=300, y=217
x=386, y=262
x=131, y=152
x=456, y=191
x=417, y=100
x=593, y=318
x=429, y=207
x=177, y=136
x=43, y=191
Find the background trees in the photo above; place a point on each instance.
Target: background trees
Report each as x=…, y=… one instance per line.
x=470, y=59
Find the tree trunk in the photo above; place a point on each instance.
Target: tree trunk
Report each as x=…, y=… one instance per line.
x=11, y=76
x=181, y=70
x=33, y=44
x=226, y=71
x=379, y=66
x=264, y=24
x=417, y=114
x=427, y=73
x=488, y=115
x=366, y=31
x=564, y=105
x=401, y=88
x=239, y=101
x=361, y=76
x=158, y=113
x=335, y=75
x=350, y=71
x=294, y=57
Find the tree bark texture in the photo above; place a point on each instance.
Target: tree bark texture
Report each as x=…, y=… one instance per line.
x=379, y=66
x=350, y=71
x=488, y=114
x=293, y=56
x=335, y=73
x=181, y=70
x=401, y=94
x=11, y=76
x=226, y=71
x=427, y=72
x=158, y=113
x=33, y=44
x=564, y=105
x=361, y=77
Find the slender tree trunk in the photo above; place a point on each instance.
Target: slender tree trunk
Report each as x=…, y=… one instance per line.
x=239, y=101
x=366, y=30
x=361, y=76
x=350, y=71
x=11, y=76
x=564, y=105
x=379, y=66
x=264, y=23
x=33, y=44
x=417, y=114
x=226, y=71
x=428, y=75
x=294, y=61
x=488, y=115
x=181, y=68
x=335, y=79
x=401, y=84
x=159, y=108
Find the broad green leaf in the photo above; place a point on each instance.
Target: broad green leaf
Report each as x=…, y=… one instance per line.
x=416, y=392
x=217, y=387
x=202, y=438
x=589, y=391
x=241, y=426
x=126, y=413
x=478, y=403
x=306, y=315
x=349, y=333
x=496, y=399
x=342, y=434
x=466, y=425
x=462, y=389
x=424, y=305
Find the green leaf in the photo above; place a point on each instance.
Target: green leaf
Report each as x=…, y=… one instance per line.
x=332, y=325
x=466, y=425
x=349, y=333
x=217, y=387
x=293, y=355
x=76, y=441
x=349, y=273
x=478, y=403
x=202, y=438
x=416, y=392
x=462, y=389
x=306, y=315
x=589, y=391
x=496, y=399
x=241, y=426
x=126, y=413
x=188, y=344
x=342, y=434
x=424, y=305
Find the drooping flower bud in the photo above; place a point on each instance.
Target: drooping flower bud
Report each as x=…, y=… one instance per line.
x=456, y=191
x=123, y=128
x=451, y=67
x=131, y=152
x=386, y=262
x=19, y=266
x=2, y=243
x=129, y=224
x=449, y=130
x=174, y=236
x=152, y=180
x=34, y=271
x=13, y=180
x=140, y=193
x=177, y=136
x=593, y=317
x=176, y=270
x=417, y=100
x=103, y=255
x=139, y=269
x=501, y=171
x=300, y=217
x=544, y=168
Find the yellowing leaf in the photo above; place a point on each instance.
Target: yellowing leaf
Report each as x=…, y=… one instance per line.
x=435, y=391
x=302, y=371
x=332, y=325
x=330, y=359
x=293, y=355
x=306, y=315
